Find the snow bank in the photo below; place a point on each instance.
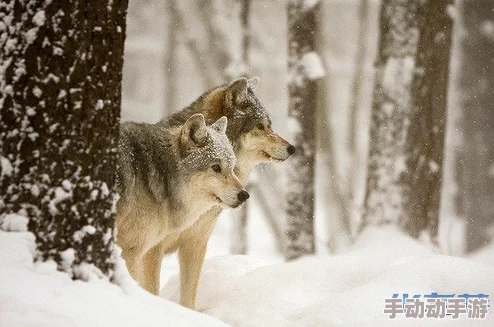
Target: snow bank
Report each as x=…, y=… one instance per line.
x=14, y=223
x=484, y=255
x=343, y=290
x=39, y=295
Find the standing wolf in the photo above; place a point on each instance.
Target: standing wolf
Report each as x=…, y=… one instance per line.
x=253, y=140
x=167, y=178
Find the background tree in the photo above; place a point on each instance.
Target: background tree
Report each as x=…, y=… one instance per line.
x=408, y=116
x=239, y=236
x=60, y=85
x=355, y=111
x=170, y=64
x=476, y=158
x=304, y=68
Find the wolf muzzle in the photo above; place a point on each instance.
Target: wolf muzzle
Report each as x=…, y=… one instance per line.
x=290, y=149
x=242, y=196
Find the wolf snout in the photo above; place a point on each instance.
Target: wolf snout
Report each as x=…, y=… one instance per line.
x=242, y=196
x=290, y=149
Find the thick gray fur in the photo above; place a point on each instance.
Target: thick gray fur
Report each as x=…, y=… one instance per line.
x=151, y=154
x=244, y=112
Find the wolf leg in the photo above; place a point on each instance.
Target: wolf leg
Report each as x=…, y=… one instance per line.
x=151, y=264
x=191, y=253
x=132, y=257
x=191, y=256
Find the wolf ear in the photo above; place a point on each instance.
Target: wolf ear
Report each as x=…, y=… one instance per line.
x=220, y=125
x=236, y=91
x=194, y=130
x=253, y=82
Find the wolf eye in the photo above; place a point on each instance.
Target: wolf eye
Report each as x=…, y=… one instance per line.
x=260, y=126
x=216, y=168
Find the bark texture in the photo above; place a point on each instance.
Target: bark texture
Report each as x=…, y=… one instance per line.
x=476, y=159
x=302, y=108
x=60, y=87
x=408, y=116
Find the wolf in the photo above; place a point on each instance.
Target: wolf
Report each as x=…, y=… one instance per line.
x=167, y=178
x=253, y=140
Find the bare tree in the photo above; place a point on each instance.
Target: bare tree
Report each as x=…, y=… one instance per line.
x=210, y=75
x=239, y=237
x=60, y=85
x=476, y=158
x=355, y=103
x=408, y=116
x=216, y=45
x=170, y=65
x=304, y=68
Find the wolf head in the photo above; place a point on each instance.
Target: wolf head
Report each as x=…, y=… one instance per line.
x=208, y=159
x=249, y=127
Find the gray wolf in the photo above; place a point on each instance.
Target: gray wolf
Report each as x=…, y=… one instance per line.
x=254, y=141
x=167, y=178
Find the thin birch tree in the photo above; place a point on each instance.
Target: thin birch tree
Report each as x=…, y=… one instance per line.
x=355, y=112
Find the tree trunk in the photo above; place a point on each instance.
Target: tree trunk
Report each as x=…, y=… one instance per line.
x=408, y=116
x=239, y=242
x=355, y=104
x=239, y=238
x=60, y=85
x=224, y=36
x=476, y=159
x=170, y=64
x=246, y=31
x=304, y=70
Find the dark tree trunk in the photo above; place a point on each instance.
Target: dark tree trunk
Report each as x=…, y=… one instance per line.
x=476, y=82
x=408, y=116
x=60, y=86
x=302, y=109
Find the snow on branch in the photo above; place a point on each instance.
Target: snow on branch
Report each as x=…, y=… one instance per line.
x=309, y=4
x=452, y=12
x=312, y=66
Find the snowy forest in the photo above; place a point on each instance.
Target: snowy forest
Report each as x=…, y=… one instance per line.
x=351, y=183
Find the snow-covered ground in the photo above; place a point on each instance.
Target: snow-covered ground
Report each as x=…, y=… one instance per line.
x=348, y=289
x=484, y=255
x=40, y=296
